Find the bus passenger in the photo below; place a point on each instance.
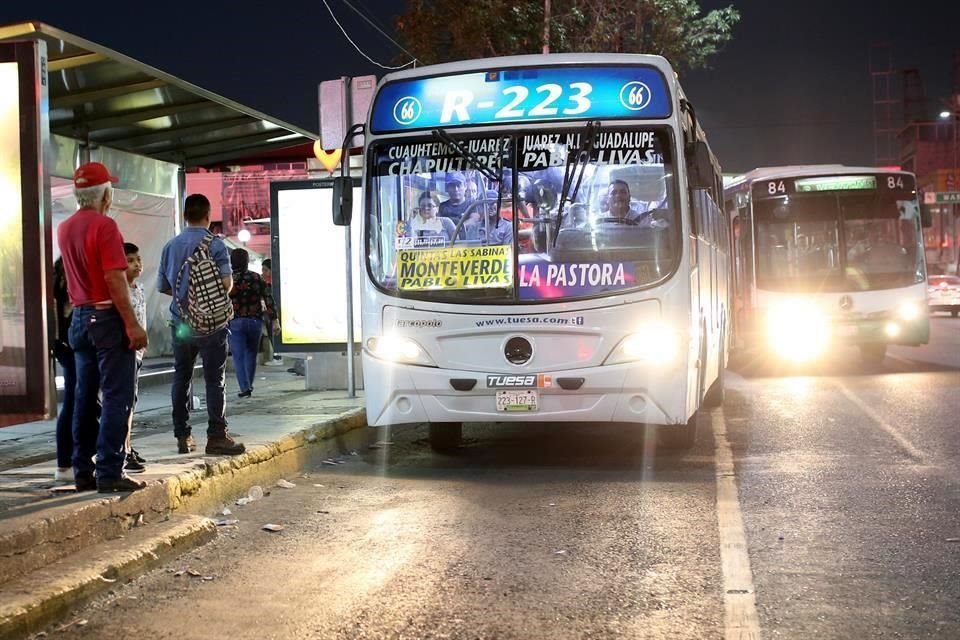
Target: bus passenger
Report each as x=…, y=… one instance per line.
x=492, y=229
x=456, y=204
x=625, y=211
x=426, y=224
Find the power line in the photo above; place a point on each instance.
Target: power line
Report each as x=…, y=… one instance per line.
x=381, y=31
x=359, y=50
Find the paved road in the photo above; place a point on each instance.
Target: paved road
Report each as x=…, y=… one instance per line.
x=848, y=491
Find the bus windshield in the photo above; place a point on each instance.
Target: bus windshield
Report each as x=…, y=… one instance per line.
x=838, y=241
x=496, y=221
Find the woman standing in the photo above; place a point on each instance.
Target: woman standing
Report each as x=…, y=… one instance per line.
x=251, y=301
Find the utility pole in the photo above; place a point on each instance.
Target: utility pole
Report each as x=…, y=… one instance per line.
x=546, y=26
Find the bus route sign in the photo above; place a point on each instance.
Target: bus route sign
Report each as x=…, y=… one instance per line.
x=500, y=96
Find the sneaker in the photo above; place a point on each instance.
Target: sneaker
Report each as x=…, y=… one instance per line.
x=85, y=482
x=123, y=484
x=276, y=362
x=63, y=475
x=132, y=465
x=185, y=444
x=137, y=456
x=224, y=445
x=245, y=394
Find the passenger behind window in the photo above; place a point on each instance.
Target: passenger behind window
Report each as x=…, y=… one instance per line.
x=456, y=204
x=426, y=224
x=491, y=228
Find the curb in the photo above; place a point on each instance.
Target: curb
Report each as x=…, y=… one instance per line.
x=32, y=601
x=36, y=547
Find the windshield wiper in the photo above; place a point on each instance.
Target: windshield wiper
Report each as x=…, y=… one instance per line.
x=577, y=158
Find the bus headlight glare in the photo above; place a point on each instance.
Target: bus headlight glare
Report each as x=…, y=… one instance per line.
x=797, y=330
x=908, y=311
x=398, y=349
x=891, y=329
x=655, y=343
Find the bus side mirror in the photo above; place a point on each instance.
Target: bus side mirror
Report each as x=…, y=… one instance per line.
x=702, y=174
x=926, y=216
x=342, y=200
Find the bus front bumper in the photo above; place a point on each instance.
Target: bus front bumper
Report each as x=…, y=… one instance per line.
x=630, y=392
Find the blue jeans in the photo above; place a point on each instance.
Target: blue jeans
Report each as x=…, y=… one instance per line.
x=213, y=350
x=106, y=364
x=245, y=346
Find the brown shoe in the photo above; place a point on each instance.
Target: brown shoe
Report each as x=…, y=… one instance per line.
x=185, y=444
x=224, y=445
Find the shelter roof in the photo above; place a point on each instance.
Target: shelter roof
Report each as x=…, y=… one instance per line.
x=103, y=97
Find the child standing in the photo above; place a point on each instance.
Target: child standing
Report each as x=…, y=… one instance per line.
x=138, y=300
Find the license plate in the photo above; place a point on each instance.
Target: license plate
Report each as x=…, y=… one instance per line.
x=847, y=330
x=517, y=400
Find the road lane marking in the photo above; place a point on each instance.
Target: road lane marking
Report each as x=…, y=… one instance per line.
x=739, y=596
x=901, y=440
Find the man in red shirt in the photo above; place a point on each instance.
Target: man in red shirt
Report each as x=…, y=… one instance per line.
x=104, y=333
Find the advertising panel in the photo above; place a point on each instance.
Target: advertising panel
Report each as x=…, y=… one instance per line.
x=309, y=266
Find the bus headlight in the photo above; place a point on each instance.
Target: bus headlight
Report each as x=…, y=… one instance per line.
x=654, y=343
x=797, y=330
x=398, y=349
x=908, y=311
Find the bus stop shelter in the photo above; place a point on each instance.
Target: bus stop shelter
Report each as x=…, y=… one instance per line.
x=63, y=101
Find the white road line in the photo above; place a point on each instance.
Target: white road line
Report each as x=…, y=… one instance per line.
x=739, y=595
x=901, y=440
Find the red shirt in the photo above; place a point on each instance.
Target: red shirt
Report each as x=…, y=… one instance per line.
x=91, y=245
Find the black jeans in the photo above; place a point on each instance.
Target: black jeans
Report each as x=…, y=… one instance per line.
x=213, y=350
x=105, y=364
x=64, y=355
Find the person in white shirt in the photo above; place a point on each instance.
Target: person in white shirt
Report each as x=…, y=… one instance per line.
x=138, y=300
x=426, y=224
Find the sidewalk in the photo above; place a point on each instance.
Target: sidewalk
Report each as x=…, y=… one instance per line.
x=42, y=528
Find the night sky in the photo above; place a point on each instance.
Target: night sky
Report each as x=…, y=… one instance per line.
x=792, y=87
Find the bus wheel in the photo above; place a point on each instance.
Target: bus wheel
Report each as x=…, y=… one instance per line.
x=679, y=437
x=445, y=436
x=873, y=353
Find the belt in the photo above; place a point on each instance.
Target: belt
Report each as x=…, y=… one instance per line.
x=95, y=307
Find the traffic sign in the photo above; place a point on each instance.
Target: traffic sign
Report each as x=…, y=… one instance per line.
x=942, y=197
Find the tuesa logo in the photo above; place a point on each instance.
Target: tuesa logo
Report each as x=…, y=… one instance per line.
x=529, y=381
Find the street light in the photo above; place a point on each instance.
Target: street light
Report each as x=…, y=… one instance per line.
x=954, y=125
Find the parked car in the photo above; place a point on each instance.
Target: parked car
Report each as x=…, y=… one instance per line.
x=943, y=294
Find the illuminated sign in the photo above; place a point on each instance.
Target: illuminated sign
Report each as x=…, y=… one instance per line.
x=902, y=184
x=836, y=183
x=521, y=95
x=13, y=378
x=308, y=263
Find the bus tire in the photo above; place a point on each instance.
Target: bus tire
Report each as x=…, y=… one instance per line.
x=715, y=394
x=445, y=436
x=873, y=353
x=679, y=437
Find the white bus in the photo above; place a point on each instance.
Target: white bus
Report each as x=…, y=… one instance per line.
x=826, y=255
x=543, y=242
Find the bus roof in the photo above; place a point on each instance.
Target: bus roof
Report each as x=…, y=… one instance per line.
x=534, y=60
x=792, y=171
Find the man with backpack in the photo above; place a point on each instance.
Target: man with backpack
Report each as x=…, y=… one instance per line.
x=195, y=271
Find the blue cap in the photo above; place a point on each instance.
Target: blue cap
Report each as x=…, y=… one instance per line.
x=491, y=194
x=456, y=176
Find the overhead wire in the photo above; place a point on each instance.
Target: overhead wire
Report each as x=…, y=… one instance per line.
x=357, y=47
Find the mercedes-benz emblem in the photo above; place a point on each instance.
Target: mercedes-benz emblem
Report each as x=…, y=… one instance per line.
x=846, y=303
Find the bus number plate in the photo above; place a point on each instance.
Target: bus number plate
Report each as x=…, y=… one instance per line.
x=517, y=400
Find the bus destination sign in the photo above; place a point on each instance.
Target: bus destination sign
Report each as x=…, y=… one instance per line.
x=521, y=95
x=777, y=187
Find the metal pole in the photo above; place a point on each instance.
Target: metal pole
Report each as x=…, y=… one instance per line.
x=345, y=170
